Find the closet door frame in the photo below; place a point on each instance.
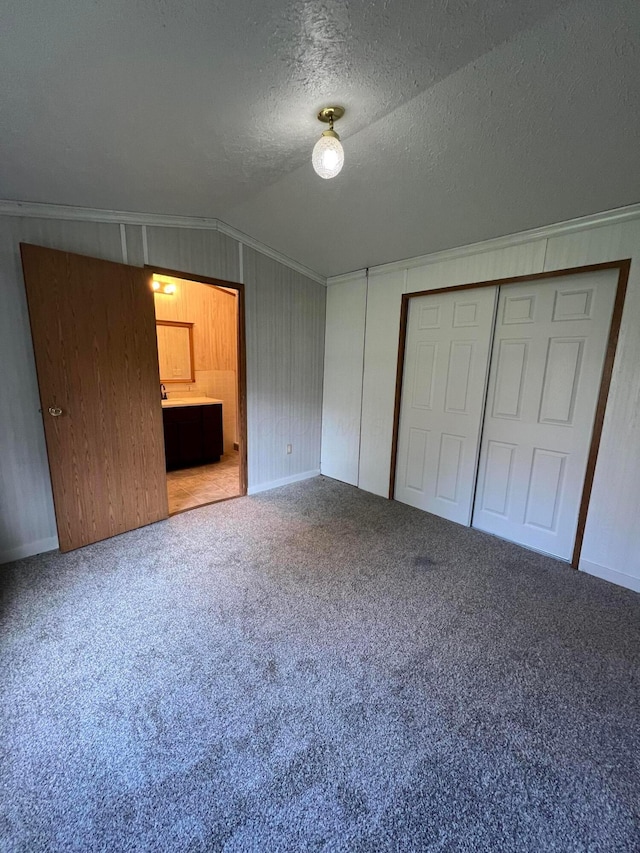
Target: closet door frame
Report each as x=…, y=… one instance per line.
x=623, y=267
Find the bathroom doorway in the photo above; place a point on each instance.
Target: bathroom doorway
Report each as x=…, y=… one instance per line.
x=201, y=356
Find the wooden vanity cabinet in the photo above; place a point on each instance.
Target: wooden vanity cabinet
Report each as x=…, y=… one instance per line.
x=192, y=435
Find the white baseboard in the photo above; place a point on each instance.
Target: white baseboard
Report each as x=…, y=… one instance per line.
x=285, y=481
x=610, y=575
x=29, y=550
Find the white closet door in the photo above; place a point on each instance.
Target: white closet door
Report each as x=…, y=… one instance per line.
x=546, y=367
x=446, y=363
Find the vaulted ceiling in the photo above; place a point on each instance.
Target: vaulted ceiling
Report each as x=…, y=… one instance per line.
x=466, y=119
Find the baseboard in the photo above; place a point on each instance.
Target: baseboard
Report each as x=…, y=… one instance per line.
x=285, y=481
x=610, y=575
x=29, y=550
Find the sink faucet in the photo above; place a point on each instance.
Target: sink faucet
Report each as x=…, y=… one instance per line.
x=163, y=392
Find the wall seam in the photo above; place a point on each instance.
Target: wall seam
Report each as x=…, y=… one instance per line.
x=364, y=347
x=544, y=259
x=123, y=243
x=145, y=246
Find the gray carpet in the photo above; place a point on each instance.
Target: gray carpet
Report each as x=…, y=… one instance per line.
x=316, y=669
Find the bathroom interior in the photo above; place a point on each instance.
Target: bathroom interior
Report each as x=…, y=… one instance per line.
x=197, y=332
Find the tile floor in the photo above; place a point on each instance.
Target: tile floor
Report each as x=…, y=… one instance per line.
x=191, y=487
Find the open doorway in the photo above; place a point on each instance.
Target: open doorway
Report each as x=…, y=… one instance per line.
x=200, y=333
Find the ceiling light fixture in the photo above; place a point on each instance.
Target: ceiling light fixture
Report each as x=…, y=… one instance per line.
x=328, y=153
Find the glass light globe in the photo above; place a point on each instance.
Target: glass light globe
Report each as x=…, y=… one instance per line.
x=328, y=155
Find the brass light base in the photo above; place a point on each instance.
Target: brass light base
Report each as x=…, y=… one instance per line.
x=329, y=114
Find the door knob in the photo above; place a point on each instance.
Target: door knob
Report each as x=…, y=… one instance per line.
x=54, y=411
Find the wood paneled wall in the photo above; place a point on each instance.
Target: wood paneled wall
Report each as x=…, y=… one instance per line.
x=285, y=349
x=214, y=314
x=342, y=390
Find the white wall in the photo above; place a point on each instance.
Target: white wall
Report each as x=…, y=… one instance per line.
x=285, y=340
x=611, y=547
x=285, y=345
x=342, y=399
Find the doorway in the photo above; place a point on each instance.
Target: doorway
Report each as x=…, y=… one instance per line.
x=95, y=342
x=500, y=400
x=199, y=331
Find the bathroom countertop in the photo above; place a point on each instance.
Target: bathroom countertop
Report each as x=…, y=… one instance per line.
x=174, y=402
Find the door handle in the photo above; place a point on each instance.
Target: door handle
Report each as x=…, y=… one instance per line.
x=54, y=411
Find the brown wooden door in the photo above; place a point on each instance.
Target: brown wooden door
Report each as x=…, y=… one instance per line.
x=94, y=339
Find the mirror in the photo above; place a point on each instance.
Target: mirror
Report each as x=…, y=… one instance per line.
x=175, y=351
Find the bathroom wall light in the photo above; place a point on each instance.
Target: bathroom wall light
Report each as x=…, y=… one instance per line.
x=328, y=153
x=163, y=287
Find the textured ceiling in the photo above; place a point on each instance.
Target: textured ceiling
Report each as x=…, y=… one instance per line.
x=466, y=119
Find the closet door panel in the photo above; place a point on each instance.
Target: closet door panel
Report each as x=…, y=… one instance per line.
x=446, y=363
x=548, y=353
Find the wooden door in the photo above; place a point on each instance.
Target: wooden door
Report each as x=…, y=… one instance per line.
x=548, y=355
x=446, y=364
x=94, y=339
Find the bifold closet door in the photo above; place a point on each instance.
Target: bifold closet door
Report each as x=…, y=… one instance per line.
x=548, y=355
x=445, y=370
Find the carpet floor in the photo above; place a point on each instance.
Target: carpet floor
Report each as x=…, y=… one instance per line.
x=316, y=669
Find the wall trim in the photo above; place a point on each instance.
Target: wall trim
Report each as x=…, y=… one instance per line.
x=285, y=260
x=544, y=232
x=241, y=263
x=611, y=575
x=39, y=210
x=285, y=481
x=357, y=275
x=123, y=243
x=29, y=550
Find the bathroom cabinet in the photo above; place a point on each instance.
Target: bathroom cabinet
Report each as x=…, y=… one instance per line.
x=192, y=435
